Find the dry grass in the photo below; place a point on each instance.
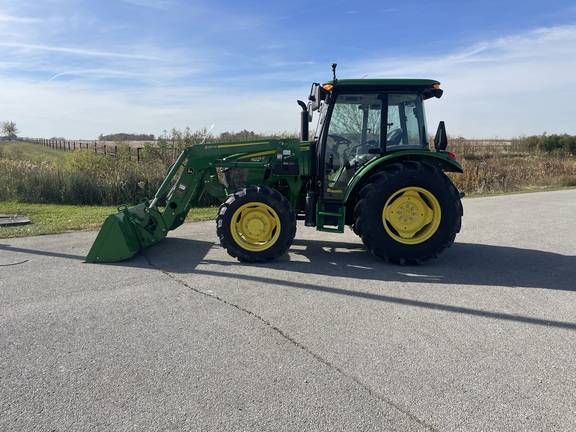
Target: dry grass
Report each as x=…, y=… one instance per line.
x=500, y=167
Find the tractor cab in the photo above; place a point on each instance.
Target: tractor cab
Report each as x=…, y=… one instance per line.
x=361, y=120
x=363, y=123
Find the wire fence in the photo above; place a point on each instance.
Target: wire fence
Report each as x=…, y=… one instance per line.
x=98, y=147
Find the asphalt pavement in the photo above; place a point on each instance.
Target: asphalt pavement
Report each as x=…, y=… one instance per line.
x=327, y=338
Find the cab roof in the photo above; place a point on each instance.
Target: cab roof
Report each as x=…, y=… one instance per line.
x=386, y=84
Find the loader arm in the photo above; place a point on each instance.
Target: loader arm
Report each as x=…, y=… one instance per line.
x=217, y=169
x=132, y=229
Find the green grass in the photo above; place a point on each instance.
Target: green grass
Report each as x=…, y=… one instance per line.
x=33, y=152
x=57, y=219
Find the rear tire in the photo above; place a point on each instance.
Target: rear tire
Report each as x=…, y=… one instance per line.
x=408, y=213
x=256, y=224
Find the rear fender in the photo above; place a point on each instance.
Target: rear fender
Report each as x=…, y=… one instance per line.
x=440, y=160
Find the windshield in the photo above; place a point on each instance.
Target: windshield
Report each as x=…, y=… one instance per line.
x=355, y=133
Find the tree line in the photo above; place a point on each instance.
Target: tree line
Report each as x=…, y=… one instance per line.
x=551, y=144
x=192, y=137
x=187, y=137
x=122, y=136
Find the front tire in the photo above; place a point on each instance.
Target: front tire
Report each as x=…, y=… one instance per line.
x=408, y=213
x=256, y=224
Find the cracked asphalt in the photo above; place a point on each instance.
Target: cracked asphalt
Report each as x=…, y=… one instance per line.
x=328, y=338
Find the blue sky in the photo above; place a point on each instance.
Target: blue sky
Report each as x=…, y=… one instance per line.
x=79, y=68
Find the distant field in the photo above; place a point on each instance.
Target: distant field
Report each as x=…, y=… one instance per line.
x=29, y=151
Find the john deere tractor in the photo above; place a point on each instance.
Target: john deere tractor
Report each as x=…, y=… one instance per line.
x=368, y=164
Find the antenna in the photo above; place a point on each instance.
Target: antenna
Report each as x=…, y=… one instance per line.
x=335, y=80
x=207, y=133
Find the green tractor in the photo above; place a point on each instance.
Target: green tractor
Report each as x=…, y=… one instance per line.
x=368, y=165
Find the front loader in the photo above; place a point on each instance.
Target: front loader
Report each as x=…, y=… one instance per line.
x=367, y=165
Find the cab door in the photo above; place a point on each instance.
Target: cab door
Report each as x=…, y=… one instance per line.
x=354, y=127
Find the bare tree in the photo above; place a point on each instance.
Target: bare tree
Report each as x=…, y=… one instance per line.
x=9, y=128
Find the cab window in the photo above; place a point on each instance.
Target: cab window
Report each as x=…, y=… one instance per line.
x=405, y=126
x=355, y=127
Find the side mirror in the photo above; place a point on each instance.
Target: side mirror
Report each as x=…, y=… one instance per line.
x=317, y=95
x=441, y=139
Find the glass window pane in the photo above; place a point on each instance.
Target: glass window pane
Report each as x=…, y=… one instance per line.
x=354, y=129
x=405, y=125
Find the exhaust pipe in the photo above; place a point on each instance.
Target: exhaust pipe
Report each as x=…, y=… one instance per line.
x=304, y=120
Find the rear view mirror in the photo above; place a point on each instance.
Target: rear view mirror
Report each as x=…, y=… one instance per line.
x=317, y=95
x=441, y=139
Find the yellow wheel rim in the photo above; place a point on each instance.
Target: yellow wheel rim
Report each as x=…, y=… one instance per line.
x=412, y=215
x=255, y=227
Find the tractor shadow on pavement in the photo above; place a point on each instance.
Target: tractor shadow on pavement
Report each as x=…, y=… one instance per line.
x=12, y=251
x=462, y=264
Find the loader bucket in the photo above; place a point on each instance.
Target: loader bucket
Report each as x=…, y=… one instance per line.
x=122, y=235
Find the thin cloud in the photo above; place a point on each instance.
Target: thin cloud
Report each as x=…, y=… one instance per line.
x=152, y=4
x=102, y=73
x=237, y=68
x=509, y=86
x=516, y=85
x=77, y=51
x=18, y=20
x=543, y=48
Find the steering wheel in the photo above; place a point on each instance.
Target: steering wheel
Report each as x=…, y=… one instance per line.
x=339, y=139
x=360, y=159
